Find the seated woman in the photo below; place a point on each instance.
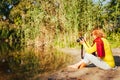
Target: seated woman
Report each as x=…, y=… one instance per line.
x=104, y=58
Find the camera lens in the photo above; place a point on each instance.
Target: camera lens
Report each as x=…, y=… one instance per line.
x=78, y=40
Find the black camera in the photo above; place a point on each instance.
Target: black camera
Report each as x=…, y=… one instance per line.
x=80, y=38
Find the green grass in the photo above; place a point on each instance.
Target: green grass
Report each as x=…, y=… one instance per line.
x=114, y=39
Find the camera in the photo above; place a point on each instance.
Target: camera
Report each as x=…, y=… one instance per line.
x=79, y=39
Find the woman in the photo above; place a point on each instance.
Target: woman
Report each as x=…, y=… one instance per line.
x=103, y=59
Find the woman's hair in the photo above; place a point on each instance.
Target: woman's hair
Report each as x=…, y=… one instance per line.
x=98, y=33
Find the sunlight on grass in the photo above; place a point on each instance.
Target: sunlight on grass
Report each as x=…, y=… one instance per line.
x=30, y=62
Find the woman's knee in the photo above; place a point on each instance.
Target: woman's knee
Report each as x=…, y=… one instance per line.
x=90, y=57
x=87, y=55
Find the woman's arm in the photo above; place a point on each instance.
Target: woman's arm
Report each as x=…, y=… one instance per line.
x=89, y=49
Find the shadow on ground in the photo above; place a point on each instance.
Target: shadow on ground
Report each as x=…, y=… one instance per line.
x=117, y=60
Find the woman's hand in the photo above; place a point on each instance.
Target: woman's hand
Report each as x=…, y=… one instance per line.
x=82, y=41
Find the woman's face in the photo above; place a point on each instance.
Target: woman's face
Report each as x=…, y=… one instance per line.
x=94, y=36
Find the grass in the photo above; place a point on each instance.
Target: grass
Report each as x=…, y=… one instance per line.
x=114, y=39
x=31, y=61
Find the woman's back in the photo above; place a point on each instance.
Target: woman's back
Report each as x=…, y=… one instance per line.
x=108, y=53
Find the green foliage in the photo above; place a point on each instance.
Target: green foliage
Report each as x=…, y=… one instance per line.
x=27, y=63
x=114, y=39
x=50, y=20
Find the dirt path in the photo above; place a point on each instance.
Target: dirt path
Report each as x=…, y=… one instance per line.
x=88, y=73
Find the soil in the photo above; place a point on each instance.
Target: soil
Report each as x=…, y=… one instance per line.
x=88, y=73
